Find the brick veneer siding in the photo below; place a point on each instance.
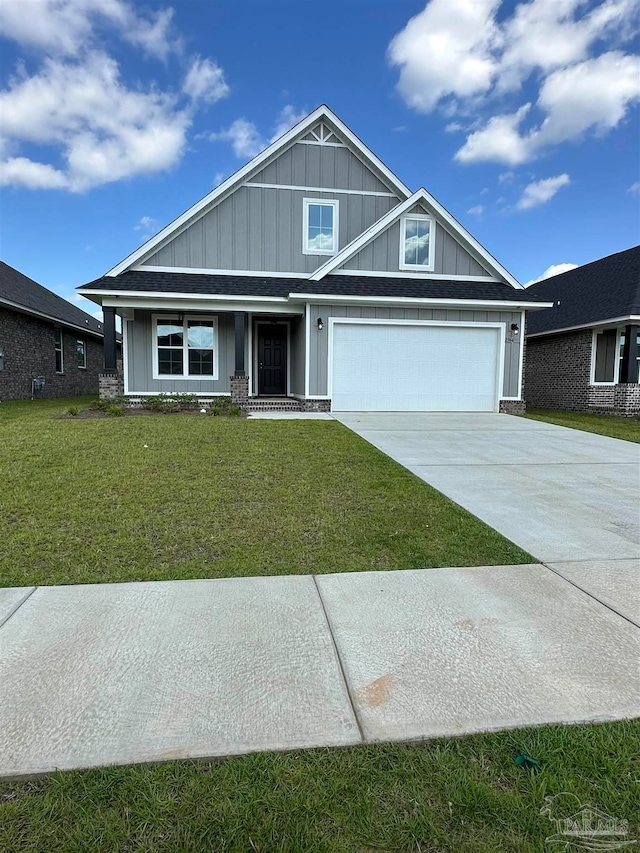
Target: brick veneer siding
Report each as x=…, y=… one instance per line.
x=315, y=405
x=28, y=344
x=558, y=371
x=239, y=390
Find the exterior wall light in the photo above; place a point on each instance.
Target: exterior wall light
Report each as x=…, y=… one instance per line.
x=320, y=324
x=515, y=329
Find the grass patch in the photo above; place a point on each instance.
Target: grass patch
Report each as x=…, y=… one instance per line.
x=85, y=501
x=627, y=429
x=462, y=795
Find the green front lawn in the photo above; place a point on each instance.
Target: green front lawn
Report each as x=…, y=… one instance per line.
x=611, y=425
x=85, y=501
x=451, y=796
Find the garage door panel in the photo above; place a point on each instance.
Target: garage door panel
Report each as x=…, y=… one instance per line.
x=381, y=367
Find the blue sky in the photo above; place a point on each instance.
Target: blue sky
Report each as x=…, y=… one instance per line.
x=521, y=118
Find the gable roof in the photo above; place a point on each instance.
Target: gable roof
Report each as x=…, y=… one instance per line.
x=392, y=216
x=142, y=283
x=22, y=293
x=607, y=289
x=322, y=113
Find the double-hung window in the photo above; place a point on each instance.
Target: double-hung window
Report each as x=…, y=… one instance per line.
x=81, y=353
x=186, y=347
x=416, y=242
x=320, y=227
x=57, y=336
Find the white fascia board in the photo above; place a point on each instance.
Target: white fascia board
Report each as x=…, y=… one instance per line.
x=419, y=276
x=21, y=309
x=488, y=304
x=154, y=294
x=630, y=318
x=322, y=112
x=395, y=213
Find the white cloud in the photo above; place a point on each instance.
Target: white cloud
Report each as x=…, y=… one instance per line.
x=554, y=269
x=458, y=55
x=67, y=27
x=634, y=189
x=205, y=81
x=477, y=210
x=447, y=50
x=218, y=178
x=499, y=141
x=246, y=139
x=145, y=223
x=97, y=128
x=540, y=192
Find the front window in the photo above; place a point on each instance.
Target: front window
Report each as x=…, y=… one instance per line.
x=81, y=353
x=186, y=347
x=416, y=243
x=605, y=357
x=320, y=220
x=57, y=334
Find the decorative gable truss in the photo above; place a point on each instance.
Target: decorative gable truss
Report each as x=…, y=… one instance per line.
x=321, y=135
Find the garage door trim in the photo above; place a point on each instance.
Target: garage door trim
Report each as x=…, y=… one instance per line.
x=371, y=321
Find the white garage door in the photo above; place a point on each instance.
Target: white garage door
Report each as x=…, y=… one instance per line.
x=403, y=368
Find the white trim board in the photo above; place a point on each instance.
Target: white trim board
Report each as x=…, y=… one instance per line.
x=277, y=147
x=499, y=326
x=456, y=229
x=483, y=304
x=332, y=190
x=205, y=271
x=630, y=318
x=415, y=275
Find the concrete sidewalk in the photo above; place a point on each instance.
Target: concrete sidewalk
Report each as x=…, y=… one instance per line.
x=123, y=673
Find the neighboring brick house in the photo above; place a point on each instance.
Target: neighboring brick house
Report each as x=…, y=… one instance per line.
x=583, y=354
x=48, y=347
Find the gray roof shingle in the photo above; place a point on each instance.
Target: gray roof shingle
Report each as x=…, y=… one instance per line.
x=142, y=281
x=599, y=291
x=19, y=289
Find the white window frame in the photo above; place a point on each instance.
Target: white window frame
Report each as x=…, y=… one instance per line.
x=305, y=225
x=84, y=353
x=432, y=239
x=60, y=350
x=185, y=349
x=616, y=364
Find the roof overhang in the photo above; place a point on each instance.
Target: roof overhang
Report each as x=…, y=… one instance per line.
x=596, y=324
x=432, y=302
x=22, y=309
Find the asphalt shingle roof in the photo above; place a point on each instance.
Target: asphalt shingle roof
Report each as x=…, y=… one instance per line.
x=23, y=291
x=602, y=290
x=338, y=285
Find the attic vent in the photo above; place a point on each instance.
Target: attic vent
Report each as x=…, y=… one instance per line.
x=322, y=134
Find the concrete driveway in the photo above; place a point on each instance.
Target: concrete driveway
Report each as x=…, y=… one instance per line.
x=561, y=494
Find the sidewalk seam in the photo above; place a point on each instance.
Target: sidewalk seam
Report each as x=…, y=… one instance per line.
x=17, y=607
x=590, y=594
x=340, y=663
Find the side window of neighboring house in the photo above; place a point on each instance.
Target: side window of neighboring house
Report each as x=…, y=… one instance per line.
x=57, y=332
x=81, y=352
x=605, y=357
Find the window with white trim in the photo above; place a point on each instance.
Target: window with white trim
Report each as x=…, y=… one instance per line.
x=416, y=242
x=57, y=336
x=186, y=347
x=320, y=227
x=81, y=354
x=635, y=375
x=605, y=361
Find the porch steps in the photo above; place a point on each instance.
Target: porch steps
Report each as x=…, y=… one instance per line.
x=274, y=404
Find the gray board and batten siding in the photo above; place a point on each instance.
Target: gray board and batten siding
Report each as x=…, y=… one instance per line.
x=260, y=228
x=383, y=253
x=319, y=341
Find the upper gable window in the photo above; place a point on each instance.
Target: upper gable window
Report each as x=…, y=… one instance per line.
x=320, y=227
x=416, y=242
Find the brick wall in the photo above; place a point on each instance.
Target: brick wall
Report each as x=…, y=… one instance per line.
x=558, y=371
x=29, y=350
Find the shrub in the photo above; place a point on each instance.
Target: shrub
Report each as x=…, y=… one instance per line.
x=103, y=405
x=169, y=403
x=223, y=406
x=73, y=411
x=115, y=411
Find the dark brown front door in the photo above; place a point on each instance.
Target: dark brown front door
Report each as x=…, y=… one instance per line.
x=272, y=359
